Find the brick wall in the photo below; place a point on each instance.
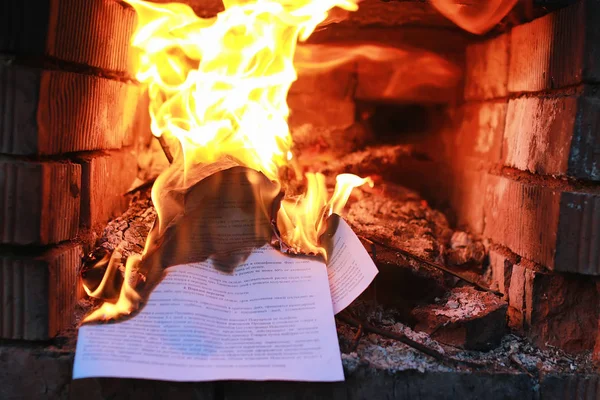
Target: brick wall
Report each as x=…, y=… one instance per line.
x=68, y=121
x=523, y=149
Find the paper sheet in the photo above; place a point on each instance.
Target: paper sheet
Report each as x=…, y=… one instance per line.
x=272, y=319
x=350, y=268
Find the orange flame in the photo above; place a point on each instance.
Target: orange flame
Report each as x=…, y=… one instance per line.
x=301, y=220
x=220, y=87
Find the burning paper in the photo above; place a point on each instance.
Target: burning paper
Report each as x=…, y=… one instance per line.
x=272, y=318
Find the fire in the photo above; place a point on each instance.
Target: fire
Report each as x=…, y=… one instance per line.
x=303, y=217
x=219, y=86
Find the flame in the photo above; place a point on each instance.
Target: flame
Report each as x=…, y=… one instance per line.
x=220, y=84
x=301, y=220
x=477, y=16
x=219, y=87
x=128, y=299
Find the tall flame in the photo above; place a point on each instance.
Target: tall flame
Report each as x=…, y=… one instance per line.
x=219, y=86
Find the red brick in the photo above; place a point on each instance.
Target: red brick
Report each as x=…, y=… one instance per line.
x=486, y=70
x=450, y=44
x=517, y=296
x=553, y=309
x=105, y=179
x=555, y=228
x=453, y=321
x=480, y=131
x=557, y=50
x=578, y=238
x=554, y=135
x=39, y=201
x=500, y=269
x=53, y=112
x=90, y=32
x=569, y=386
x=37, y=292
x=468, y=198
x=523, y=217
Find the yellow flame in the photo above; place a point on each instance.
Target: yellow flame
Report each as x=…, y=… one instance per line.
x=301, y=220
x=220, y=86
x=128, y=299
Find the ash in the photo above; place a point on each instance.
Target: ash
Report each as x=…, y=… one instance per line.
x=416, y=227
x=463, y=304
x=514, y=355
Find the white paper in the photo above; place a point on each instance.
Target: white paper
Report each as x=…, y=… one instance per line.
x=350, y=268
x=272, y=319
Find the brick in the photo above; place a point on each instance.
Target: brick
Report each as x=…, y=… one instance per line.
x=579, y=386
x=467, y=198
x=517, y=296
x=39, y=201
x=523, y=217
x=480, y=131
x=500, y=269
x=553, y=309
x=91, y=32
x=38, y=293
x=53, y=112
x=396, y=13
x=486, y=70
x=554, y=135
x=322, y=111
x=578, y=237
x=560, y=49
x=105, y=178
x=453, y=321
x=554, y=227
x=450, y=44
x=35, y=371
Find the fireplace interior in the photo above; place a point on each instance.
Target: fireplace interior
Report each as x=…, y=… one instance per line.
x=484, y=220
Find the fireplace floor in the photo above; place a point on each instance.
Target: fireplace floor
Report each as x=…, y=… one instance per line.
x=378, y=368
x=410, y=298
